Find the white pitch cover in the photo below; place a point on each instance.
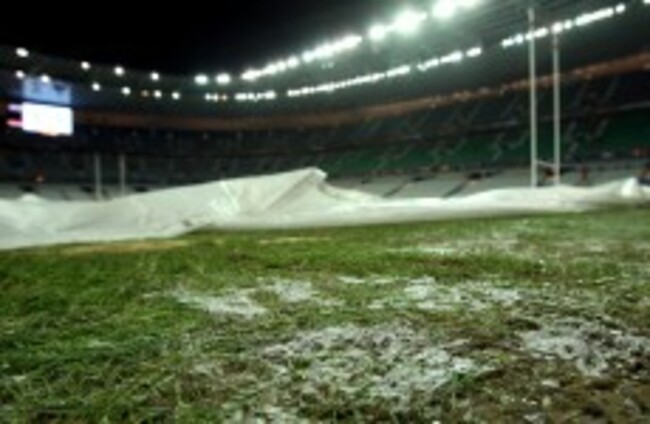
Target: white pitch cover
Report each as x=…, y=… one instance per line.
x=300, y=199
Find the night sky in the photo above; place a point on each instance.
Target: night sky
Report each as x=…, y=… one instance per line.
x=188, y=38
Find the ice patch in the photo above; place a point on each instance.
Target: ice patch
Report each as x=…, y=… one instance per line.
x=238, y=304
x=592, y=347
x=386, y=363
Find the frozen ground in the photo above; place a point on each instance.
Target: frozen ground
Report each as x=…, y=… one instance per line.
x=511, y=320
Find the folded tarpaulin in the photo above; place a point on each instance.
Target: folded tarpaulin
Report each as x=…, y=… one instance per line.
x=300, y=199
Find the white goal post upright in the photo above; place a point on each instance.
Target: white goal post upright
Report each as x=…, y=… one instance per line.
x=532, y=67
x=557, y=113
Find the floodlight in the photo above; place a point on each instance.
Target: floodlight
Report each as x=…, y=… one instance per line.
x=445, y=9
x=378, y=32
x=223, y=79
x=201, y=79
x=408, y=22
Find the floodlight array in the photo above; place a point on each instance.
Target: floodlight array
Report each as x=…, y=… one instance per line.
x=582, y=20
x=405, y=24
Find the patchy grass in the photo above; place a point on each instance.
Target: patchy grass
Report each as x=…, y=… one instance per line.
x=504, y=320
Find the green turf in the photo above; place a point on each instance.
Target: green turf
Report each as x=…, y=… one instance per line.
x=98, y=334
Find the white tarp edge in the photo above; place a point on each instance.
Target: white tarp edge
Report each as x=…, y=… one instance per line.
x=300, y=199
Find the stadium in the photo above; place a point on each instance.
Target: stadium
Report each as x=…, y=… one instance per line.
x=434, y=211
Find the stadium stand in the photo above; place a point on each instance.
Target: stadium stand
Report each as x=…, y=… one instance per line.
x=464, y=132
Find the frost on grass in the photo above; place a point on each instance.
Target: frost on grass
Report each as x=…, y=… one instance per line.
x=387, y=365
x=295, y=291
x=290, y=291
x=291, y=240
x=377, y=280
x=591, y=346
x=495, y=242
x=265, y=415
x=427, y=294
x=236, y=304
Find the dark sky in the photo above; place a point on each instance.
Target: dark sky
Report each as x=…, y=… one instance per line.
x=187, y=37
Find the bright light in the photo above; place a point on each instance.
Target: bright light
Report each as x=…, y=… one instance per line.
x=22, y=52
x=119, y=71
x=588, y=18
x=176, y=95
x=208, y=97
x=378, y=32
x=322, y=52
x=454, y=57
x=201, y=79
x=474, y=52
x=126, y=91
x=253, y=97
x=445, y=9
x=408, y=22
x=96, y=86
x=45, y=79
x=250, y=75
x=20, y=74
x=155, y=76
x=293, y=62
x=567, y=25
x=157, y=94
x=223, y=79
x=85, y=66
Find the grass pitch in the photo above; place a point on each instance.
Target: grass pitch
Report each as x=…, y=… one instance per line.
x=534, y=320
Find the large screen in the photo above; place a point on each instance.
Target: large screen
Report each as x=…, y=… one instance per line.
x=43, y=119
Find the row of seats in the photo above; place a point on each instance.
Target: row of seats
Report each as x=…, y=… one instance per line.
x=447, y=184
